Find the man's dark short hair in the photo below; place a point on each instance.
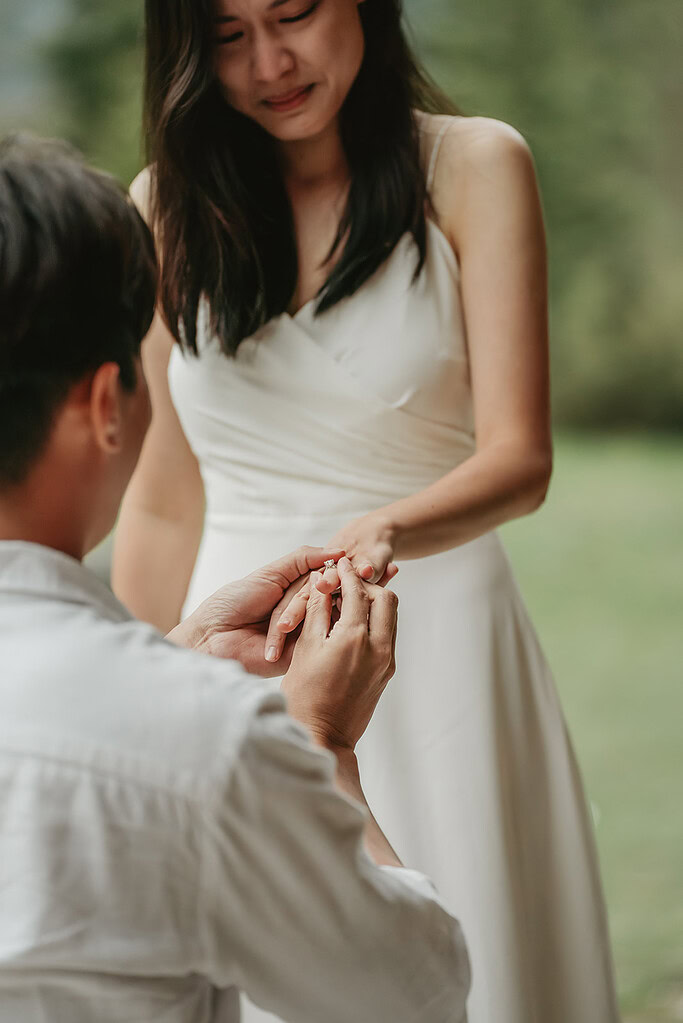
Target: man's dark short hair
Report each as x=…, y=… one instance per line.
x=78, y=283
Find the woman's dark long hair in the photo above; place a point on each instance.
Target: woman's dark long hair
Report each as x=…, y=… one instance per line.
x=219, y=208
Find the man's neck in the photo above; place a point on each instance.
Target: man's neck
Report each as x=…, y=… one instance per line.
x=39, y=513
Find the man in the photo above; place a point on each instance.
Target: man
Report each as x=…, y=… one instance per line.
x=169, y=834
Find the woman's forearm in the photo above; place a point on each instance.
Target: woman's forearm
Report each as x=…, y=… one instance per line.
x=501, y=482
x=152, y=564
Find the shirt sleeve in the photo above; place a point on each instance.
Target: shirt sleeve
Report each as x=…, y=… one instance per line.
x=293, y=910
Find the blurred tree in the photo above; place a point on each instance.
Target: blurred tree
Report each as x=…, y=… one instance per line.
x=96, y=61
x=596, y=88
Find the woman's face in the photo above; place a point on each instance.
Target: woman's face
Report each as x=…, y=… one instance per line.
x=287, y=64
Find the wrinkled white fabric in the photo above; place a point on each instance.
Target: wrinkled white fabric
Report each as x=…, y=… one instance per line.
x=467, y=763
x=168, y=835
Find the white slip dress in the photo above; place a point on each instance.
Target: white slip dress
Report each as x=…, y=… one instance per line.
x=466, y=764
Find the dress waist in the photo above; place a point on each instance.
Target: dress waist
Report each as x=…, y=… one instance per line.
x=238, y=493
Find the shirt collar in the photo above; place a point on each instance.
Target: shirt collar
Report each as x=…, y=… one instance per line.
x=33, y=570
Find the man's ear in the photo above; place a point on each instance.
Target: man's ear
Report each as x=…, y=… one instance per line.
x=105, y=407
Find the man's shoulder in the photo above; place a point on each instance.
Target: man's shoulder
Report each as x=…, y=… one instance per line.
x=186, y=708
x=113, y=692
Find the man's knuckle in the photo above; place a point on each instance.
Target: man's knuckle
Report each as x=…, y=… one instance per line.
x=357, y=633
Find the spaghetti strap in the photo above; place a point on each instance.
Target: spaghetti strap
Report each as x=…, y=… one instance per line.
x=435, y=153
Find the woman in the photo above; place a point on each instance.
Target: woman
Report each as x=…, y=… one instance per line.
x=363, y=280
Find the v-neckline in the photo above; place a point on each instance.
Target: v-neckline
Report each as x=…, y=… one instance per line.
x=445, y=244
x=295, y=315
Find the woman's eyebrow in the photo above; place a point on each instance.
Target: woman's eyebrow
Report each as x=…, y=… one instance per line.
x=221, y=19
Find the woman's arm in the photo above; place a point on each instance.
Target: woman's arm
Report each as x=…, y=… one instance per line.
x=160, y=525
x=486, y=197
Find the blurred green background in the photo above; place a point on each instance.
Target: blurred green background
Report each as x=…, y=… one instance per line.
x=597, y=89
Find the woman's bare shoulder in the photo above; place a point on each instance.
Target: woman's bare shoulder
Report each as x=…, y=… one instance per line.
x=140, y=192
x=476, y=151
x=430, y=127
x=467, y=141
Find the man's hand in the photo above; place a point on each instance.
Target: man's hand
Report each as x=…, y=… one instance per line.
x=291, y=610
x=338, y=674
x=233, y=622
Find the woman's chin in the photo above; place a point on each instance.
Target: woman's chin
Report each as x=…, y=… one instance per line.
x=292, y=133
x=297, y=126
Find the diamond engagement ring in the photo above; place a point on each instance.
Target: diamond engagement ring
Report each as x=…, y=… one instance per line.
x=328, y=564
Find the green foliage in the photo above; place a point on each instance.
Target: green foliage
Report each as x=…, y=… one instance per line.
x=96, y=59
x=595, y=87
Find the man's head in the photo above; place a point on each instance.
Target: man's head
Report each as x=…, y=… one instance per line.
x=77, y=289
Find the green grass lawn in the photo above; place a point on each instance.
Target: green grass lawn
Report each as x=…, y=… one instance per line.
x=601, y=567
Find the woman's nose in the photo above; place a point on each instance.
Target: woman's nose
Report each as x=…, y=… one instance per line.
x=271, y=60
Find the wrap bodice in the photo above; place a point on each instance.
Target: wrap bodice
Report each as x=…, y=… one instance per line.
x=340, y=412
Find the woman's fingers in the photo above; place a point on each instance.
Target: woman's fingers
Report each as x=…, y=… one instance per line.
x=329, y=580
x=390, y=572
x=375, y=573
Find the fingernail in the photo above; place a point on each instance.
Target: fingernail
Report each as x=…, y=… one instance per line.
x=344, y=562
x=285, y=622
x=271, y=653
x=315, y=577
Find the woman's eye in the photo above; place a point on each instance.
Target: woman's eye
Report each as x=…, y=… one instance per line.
x=300, y=17
x=236, y=36
x=222, y=40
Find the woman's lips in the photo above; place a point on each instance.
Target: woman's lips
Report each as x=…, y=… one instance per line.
x=289, y=100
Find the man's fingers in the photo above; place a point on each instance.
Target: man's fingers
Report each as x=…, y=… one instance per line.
x=275, y=638
x=300, y=562
x=318, y=611
x=295, y=612
x=383, y=614
x=354, y=593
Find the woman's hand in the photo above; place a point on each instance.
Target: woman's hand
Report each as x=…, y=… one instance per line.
x=369, y=544
x=370, y=550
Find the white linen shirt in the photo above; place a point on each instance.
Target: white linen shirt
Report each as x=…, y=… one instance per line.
x=168, y=835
